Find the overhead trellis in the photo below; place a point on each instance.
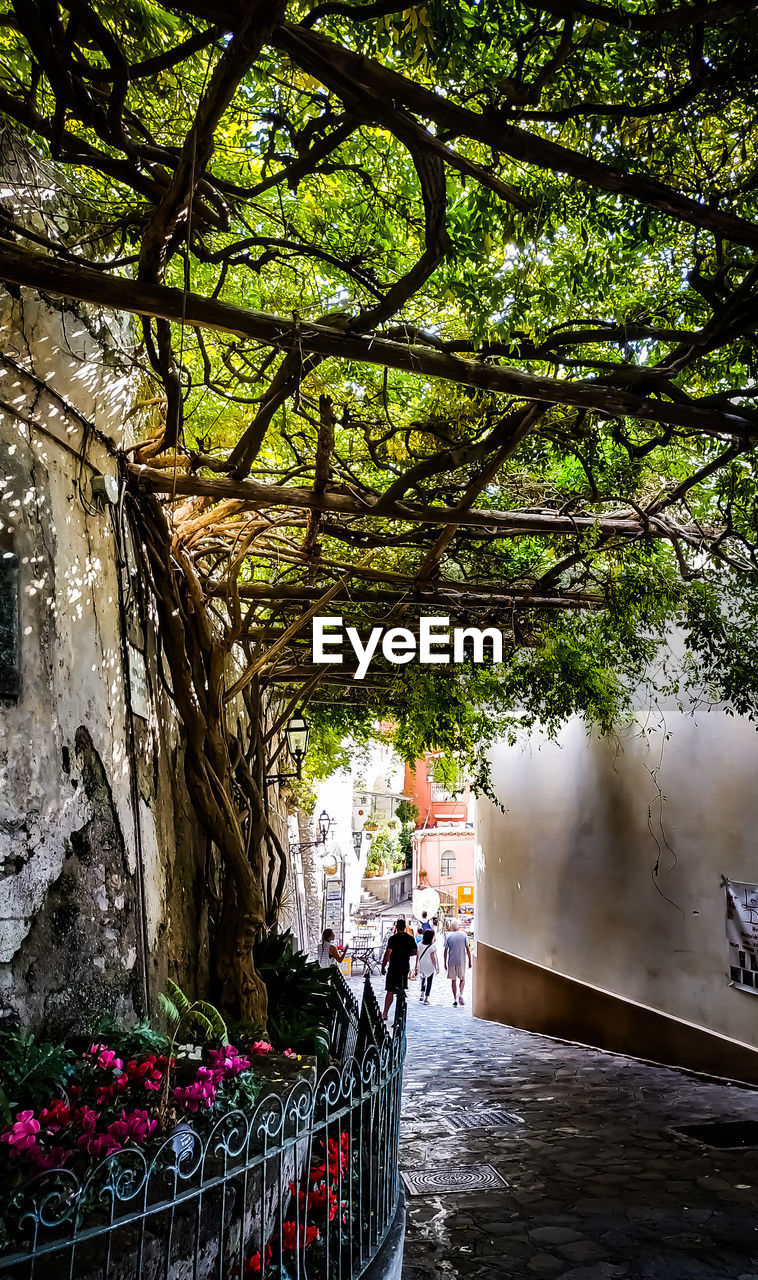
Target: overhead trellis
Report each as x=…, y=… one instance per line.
x=442, y=309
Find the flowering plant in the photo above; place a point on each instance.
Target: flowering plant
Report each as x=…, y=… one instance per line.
x=318, y=1198
x=110, y=1103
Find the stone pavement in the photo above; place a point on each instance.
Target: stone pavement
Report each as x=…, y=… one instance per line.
x=598, y=1187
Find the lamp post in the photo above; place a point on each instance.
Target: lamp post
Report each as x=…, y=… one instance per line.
x=296, y=734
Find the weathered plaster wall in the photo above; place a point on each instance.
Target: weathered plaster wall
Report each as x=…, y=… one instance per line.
x=68, y=921
x=565, y=877
x=107, y=885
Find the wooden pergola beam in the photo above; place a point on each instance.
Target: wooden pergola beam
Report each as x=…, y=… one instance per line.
x=444, y=595
x=503, y=524
x=85, y=284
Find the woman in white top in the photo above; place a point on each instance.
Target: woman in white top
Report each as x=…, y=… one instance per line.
x=328, y=953
x=427, y=963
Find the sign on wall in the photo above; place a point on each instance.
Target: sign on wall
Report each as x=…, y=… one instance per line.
x=334, y=898
x=742, y=934
x=9, y=626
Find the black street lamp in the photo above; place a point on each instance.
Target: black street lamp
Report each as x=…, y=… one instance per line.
x=324, y=824
x=296, y=735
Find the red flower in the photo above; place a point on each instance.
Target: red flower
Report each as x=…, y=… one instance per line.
x=339, y=1154
x=319, y=1198
x=55, y=1158
x=98, y=1144
x=290, y=1236
x=56, y=1116
x=252, y=1266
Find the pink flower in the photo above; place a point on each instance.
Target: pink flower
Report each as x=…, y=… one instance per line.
x=194, y=1096
x=106, y=1058
x=119, y=1130
x=135, y=1126
x=228, y=1060
x=261, y=1046
x=55, y=1158
x=23, y=1132
x=288, y=1053
x=107, y=1061
x=99, y=1144
x=88, y=1119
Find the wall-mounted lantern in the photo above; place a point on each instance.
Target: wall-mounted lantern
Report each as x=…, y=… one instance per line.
x=296, y=735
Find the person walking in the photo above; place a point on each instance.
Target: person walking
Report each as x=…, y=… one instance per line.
x=401, y=947
x=428, y=963
x=328, y=953
x=457, y=952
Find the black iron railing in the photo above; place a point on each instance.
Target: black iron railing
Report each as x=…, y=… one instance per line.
x=303, y=1188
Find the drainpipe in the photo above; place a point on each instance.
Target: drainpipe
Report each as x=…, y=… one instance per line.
x=142, y=939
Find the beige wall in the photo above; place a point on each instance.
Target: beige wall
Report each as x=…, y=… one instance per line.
x=564, y=876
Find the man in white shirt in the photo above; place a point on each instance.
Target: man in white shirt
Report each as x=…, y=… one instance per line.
x=457, y=952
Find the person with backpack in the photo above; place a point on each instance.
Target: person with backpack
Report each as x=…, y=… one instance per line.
x=427, y=963
x=401, y=948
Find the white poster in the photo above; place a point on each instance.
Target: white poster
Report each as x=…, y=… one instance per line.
x=333, y=906
x=138, y=684
x=742, y=934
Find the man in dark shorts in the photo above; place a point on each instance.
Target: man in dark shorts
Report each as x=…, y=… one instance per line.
x=397, y=963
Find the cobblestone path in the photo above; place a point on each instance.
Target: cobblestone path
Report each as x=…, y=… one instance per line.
x=597, y=1185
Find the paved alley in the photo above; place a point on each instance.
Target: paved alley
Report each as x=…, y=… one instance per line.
x=586, y=1182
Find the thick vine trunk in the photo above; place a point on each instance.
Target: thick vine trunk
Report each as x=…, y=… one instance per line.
x=243, y=992
x=225, y=787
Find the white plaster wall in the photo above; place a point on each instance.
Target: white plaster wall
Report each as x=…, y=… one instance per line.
x=71, y=669
x=335, y=794
x=565, y=875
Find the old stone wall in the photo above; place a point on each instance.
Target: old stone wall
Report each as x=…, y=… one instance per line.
x=107, y=885
x=69, y=936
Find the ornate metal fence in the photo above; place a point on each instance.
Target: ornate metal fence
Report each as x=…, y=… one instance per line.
x=304, y=1188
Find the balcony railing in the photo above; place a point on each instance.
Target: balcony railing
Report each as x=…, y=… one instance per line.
x=440, y=794
x=303, y=1188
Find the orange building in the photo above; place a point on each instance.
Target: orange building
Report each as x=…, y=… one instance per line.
x=434, y=802
x=443, y=843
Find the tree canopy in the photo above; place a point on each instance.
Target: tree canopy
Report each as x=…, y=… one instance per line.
x=448, y=309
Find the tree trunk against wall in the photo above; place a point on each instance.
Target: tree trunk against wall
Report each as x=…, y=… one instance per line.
x=224, y=775
x=313, y=877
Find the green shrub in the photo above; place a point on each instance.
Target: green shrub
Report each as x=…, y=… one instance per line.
x=385, y=849
x=299, y=1010
x=31, y=1073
